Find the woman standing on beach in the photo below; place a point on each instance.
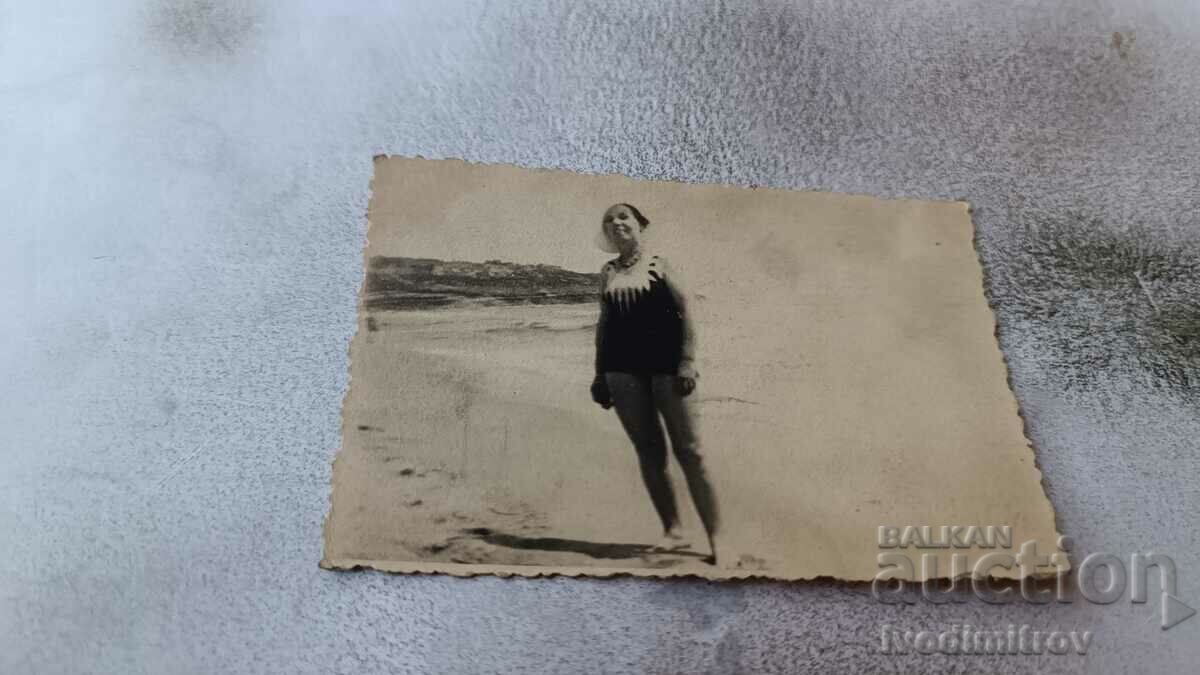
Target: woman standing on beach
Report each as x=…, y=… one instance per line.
x=645, y=367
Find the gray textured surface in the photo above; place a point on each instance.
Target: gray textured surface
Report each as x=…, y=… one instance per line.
x=184, y=186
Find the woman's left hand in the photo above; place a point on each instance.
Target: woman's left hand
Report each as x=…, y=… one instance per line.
x=685, y=378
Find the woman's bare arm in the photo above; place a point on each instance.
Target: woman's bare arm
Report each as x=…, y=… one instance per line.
x=600, y=392
x=600, y=325
x=680, y=290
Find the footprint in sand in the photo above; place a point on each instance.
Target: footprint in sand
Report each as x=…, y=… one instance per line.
x=749, y=562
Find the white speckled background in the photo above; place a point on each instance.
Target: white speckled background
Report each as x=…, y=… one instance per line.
x=183, y=187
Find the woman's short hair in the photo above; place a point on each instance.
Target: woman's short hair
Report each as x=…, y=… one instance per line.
x=643, y=221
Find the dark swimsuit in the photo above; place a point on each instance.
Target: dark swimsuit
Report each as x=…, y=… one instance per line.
x=643, y=329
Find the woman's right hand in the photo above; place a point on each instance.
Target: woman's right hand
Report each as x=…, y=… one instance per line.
x=685, y=379
x=600, y=392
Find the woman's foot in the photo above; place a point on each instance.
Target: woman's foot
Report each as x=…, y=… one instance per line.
x=671, y=540
x=711, y=559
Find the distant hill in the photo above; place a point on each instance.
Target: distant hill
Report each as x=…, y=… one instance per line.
x=427, y=283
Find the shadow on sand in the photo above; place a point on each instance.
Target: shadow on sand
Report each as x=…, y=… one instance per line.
x=601, y=550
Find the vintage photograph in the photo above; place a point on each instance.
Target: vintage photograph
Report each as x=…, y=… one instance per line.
x=580, y=374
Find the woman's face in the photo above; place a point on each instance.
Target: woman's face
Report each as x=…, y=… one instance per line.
x=621, y=226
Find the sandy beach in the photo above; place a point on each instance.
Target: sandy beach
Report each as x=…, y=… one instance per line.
x=477, y=443
x=489, y=399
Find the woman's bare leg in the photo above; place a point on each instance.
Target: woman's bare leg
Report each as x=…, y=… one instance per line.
x=677, y=411
x=633, y=399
